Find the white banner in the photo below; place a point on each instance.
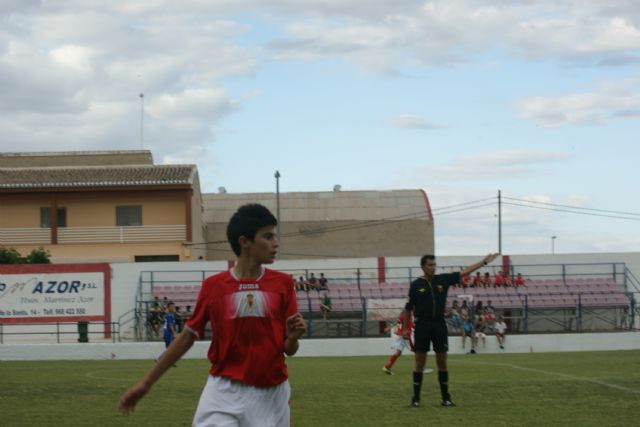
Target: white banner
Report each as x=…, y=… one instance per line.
x=384, y=309
x=55, y=295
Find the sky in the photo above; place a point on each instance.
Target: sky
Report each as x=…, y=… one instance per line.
x=461, y=98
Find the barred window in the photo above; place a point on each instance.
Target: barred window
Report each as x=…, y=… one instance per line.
x=128, y=216
x=45, y=217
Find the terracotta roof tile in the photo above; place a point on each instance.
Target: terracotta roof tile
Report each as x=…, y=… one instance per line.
x=96, y=176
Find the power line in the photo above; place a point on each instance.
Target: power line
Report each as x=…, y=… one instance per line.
x=462, y=204
x=573, y=212
x=574, y=207
x=465, y=209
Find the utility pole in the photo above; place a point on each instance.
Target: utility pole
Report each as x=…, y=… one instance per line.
x=142, y=121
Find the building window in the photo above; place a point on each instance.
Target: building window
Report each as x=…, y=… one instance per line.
x=45, y=217
x=127, y=216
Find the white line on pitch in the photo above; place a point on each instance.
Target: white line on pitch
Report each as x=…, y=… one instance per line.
x=560, y=374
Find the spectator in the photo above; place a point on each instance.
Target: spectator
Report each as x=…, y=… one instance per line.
x=325, y=305
x=477, y=280
x=486, y=280
x=481, y=329
x=464, y=309
x=478, y=308
x=313, y=282
x=466, y=281
x=490, y=312
x=454, y=314
x=155, y=316
x=179, y=320
x=501, y=329
x=507, y=280
x=302, y=285
x=519, y=280
x=187, y=313
x=323, y=282
x=468, y=330
x=498, y=279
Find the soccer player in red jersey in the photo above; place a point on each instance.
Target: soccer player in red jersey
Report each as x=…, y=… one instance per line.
x=254, y=322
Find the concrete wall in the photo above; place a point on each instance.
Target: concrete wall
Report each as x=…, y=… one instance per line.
x=325, y=347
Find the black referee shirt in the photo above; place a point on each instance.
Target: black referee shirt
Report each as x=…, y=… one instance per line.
x=428, y=299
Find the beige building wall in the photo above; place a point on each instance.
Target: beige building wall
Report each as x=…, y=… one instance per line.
x=106, y=252
x=327, y=224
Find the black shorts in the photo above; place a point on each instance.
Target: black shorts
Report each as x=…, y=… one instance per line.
x=431, y=331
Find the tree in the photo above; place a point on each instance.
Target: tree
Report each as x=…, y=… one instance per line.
x=9, y=256
x=38, y=256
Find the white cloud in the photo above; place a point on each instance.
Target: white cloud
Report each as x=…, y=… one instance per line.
x=70, y=76
x=494, y=165
x=411, y=121
x=621, y=100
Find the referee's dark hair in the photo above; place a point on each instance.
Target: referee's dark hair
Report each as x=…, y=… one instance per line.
x=426, y=258
x=246, y=221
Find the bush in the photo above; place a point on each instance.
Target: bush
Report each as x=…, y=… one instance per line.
x=39, y=256
x=10, y=256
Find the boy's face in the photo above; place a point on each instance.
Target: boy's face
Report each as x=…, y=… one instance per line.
x=264, y=246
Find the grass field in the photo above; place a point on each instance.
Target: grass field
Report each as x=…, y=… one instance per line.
x=539, y=389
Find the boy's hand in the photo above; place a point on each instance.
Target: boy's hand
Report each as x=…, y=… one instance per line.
x=296, y=326
x=128, y=401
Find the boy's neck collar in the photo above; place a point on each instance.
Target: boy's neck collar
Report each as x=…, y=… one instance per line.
x=241, y=271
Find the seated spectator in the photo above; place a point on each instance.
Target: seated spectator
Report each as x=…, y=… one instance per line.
x=507, y=280
x=179, y=319
x=498, y=279
x=155, y=316
x=323, y=283
x=313, y=282
x=501, y=330
x=479, y=308
x=481, y=329
x=325, y=305
x=464, y=309
x=454, y=314
x=466, y=281
x=302, y=285
x=519, y=280
x=477, y=280
x=486, y=281
x=468, y=330
x=187, y=313
x=490, y=314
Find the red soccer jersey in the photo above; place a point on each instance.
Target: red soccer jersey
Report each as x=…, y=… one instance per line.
x=400, y=325
x=248, y=322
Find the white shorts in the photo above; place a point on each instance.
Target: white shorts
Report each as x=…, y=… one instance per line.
x=399, y=343
x=481, y=335
x=226, y=403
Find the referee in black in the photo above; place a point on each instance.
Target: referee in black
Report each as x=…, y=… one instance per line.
x=427, y=300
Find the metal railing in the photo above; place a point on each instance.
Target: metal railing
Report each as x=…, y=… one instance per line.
x=145, y=233
x=59, y=330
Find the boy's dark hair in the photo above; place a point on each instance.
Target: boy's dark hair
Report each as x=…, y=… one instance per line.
x=246, y=221
x=426, y=258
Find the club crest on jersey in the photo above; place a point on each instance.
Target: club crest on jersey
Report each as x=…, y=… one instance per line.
x=440, y=288
x=249, y=304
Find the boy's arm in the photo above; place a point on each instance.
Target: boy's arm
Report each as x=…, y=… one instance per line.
x=176, y=350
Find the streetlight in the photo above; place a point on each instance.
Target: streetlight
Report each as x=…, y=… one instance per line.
x=277, y=176
x=553, y=244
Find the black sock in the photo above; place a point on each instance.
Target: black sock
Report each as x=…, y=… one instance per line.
x=417, y=385
x=443, y=379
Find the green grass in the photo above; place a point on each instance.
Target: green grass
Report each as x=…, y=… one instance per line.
x=539, y=389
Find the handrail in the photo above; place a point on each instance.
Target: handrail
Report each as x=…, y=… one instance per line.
x=115, y=329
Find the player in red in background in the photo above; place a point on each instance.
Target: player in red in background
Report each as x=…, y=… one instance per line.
x=399, y=343
x=254, y=322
